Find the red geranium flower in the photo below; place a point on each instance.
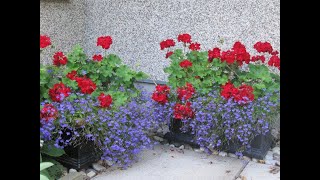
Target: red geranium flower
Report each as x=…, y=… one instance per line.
x=274, y=53
x=97, y=57
x=214, y=53
x=105, y=100
x=169, y=54
x=274, y=61
x=48, y=112
x=44, y=41
x=104, y=41
x=160, y=95
x=183, y=111
x=227, y=90
x=163, y=88
x=228, y=56
x=185, y=63
x=86, y=85
x=186, y=92
x=72, y=75
x=59, y=59
x=257, y=58
x=244, y=93
x=241, y=54
x=194, y=46
x=263, y=47
x=58, y=92
x=167, y=43
x=186, y=38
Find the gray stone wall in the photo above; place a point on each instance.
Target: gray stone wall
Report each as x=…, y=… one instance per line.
x=64, y=22
x=138, y=26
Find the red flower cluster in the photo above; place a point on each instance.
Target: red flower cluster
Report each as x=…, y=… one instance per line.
x=243, y=93
x=186, y=92
x=185, y=63
x=44, y=41
x=72, y=75
x=194, y=46
x=104, y=41
x=160, y=95
x=105, y=100
x=183, y=111
x=263, y=47
x=166, y=44
x=274, y=61
x=97, y=57
x=169, y=54
x=214, y=53
x=186, y=38
x=58, y=92
x=257, y=58
x=86, y=85
x=48, y=112
x=238, y=54
x=59, y=59
x=228, y=56
x=241, y=53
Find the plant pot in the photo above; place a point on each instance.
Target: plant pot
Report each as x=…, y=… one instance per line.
x=176, y=135
x=80, y=156
x=260, y=146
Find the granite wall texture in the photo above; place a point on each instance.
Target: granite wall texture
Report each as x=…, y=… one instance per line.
x=64, y=22
x=137, y=26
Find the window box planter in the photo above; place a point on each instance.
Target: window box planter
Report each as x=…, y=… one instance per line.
x=79, y=156
x=176, y=135
x=260, y=146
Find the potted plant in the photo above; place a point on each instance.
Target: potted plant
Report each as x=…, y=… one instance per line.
x=85, y=111
x=235, y=78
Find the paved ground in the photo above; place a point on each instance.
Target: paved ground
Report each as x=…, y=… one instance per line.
x=165, y=163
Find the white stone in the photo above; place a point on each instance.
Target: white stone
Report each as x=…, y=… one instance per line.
x=276, y=157
x=269, y=156
x=72, y=170
x=98, y=167
x=202, y=149
x=223, y=154
x=197, y=150
x=91, y=174
x=232, y=155
x=215, y=152
x=270, y=162
x=276, y=150
x=181, y=147
x=255, y=160
x=110, y=163
x=246, y=158
x=171, y=145
x=157, y=138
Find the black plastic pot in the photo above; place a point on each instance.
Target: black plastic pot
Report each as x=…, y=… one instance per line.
x=80, y=156
x=176, y=135
x=260, y=146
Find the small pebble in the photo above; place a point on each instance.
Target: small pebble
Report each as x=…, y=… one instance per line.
x=223, y=154
x=72, y=170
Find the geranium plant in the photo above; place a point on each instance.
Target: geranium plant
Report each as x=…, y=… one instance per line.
x=235, y=77
x=93, y=99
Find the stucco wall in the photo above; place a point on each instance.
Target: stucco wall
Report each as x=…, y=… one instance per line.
x=64, y=22
x=137, y=26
